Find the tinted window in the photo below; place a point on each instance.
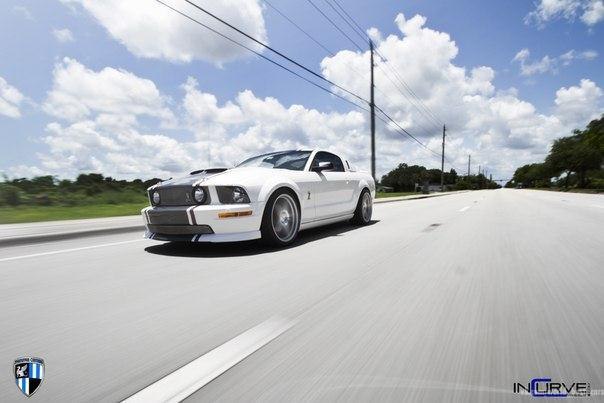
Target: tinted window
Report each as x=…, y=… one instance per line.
x=323, y=156
x=293, y=160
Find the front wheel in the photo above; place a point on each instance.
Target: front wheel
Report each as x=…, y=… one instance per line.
x=281, y=219
x=364, y=210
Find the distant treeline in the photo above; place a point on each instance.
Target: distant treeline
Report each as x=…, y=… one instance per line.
x=573, y=162
x=89, y=188
x=408, y=178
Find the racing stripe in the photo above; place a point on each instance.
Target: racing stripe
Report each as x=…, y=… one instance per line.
x=190, y=215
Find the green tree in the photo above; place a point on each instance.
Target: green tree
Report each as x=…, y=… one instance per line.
x=404, y=177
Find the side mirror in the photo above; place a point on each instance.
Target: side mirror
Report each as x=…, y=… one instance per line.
x=323, y=166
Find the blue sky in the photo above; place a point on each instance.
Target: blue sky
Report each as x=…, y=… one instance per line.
x=485, y=33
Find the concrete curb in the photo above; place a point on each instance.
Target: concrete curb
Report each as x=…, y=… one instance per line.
x=407, y=198
x=58, y=236
x=31, y=239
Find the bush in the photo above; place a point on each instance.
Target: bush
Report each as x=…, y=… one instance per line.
x=10, y=195
x=43, y=199
x=462, y=185
x=595, y=183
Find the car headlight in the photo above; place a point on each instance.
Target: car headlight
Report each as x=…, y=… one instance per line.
x=239, y=195
x=155, y=197
x=232, y=195
x=199, y=195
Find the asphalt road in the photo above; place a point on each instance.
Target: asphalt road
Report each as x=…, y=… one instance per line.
x=452, y=298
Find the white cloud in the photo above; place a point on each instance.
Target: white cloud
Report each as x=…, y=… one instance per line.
x=79, y=93
x=151, y=30
x=99, y=127
x=577, y=105
x=537, y=67
x=10, y=99
x=101, y=131
x=594, y=12
x=24, y=12
x=590, y=11
x=550, y=64
x=250, y=125
x=501, y=130
x=63, y=35
x=120, y=150
x=25, y=171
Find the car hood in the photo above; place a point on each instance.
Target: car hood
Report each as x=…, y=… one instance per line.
x=242, y=176
x=234, y=176
x=192, y=179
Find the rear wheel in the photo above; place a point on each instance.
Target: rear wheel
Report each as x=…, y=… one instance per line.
x=281, y=219
x=364, y=210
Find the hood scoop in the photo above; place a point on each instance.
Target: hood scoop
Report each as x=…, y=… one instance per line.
x=208, y=171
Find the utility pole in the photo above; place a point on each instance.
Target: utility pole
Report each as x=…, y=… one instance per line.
x=372, y=111
x=469, y=159
x=442, y=164
x=479, y=170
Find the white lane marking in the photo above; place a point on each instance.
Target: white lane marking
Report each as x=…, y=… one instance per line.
x=464, y=209
x=186, y=380
x=54, y=252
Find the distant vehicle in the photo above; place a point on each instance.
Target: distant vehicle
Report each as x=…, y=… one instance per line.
x=519, y=186
x=271, y=196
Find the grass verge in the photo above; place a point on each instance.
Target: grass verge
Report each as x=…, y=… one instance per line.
x=11, y=215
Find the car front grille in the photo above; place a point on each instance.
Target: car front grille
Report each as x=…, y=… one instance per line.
x=176, y=196
x=168, y=217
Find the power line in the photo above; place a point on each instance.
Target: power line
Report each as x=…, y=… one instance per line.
x=403, y=133
x=404, y=94
x=400, y=79
x=335, y=25
x=401, y=130
x=359, y=31
x=331, y=53
x=262, y=56
x=422, y=108
x=289, y=59
x=348, y=15
x=362, y=35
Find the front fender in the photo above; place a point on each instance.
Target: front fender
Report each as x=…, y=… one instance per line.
x=269, y=187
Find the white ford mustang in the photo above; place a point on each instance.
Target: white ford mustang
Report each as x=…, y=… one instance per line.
x=271, y=196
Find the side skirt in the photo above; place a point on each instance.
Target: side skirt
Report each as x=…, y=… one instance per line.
x=325, y=221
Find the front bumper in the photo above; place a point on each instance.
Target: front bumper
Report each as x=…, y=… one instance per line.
x=202, y=223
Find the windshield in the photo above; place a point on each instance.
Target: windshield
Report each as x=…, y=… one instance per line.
x=294, y=160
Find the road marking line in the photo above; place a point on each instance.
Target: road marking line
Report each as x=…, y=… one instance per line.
x=6, y=259
x=186, y=380
x=464, y=209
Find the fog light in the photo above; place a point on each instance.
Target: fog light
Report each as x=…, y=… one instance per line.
x=199, y=195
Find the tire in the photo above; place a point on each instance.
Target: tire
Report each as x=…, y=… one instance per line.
x=281, y=219
x=364, y=210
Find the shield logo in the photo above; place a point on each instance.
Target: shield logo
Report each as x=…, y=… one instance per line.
x=29, y=373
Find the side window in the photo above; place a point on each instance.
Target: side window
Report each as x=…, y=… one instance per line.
x=323, y=156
